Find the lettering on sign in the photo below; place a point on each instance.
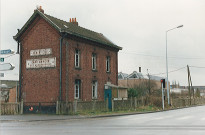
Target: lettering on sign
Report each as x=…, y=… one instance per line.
x=40, y=52
x=41, y=63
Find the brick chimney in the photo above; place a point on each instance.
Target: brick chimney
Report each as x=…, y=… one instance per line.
x=73, y=21
x=40, y=9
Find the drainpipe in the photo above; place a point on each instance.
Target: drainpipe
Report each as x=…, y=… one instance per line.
x=60, y=88
x=19, y=51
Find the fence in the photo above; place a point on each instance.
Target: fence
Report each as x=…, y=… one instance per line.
x=39, y=107
x=9, y=108
x=96, y=106
x=80, y=106
x=184, y=102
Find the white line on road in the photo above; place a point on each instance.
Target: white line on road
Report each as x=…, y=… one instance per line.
x=186, y=117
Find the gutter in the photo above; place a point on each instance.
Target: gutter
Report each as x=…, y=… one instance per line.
x=60, y=87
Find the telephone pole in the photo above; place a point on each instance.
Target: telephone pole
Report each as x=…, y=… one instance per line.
x=189, y=84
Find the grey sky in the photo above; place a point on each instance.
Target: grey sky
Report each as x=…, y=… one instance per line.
x=138, y=26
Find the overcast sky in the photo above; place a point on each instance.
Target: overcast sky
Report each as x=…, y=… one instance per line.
x=139, y=26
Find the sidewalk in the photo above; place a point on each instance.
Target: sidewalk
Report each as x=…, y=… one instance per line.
x=38, y=117
x=44, y=117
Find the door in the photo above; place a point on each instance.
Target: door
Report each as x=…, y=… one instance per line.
x=108, y=95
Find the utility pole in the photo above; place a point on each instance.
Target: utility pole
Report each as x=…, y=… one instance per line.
x=189, y=84
x=149, y=83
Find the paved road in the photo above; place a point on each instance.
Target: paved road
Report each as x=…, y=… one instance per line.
x=188, y=121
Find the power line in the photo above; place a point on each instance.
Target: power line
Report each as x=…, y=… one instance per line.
x=148, y=55
x=170, y=71
x=196, y=67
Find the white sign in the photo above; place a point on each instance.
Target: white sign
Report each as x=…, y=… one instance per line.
x=41, y=63
x=40, y=52
x=6, y=66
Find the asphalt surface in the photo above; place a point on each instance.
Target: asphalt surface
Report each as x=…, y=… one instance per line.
x=187, y=121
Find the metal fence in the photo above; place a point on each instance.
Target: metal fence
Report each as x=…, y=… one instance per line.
x=39, y=107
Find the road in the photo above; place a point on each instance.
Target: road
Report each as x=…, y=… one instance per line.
x=188, y=121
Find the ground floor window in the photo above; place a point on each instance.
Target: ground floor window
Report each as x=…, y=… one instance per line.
x=77, y=89
x=94, y=89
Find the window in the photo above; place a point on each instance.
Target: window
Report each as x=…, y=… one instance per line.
x=77, y=89
x=93, y=61
x=77, y=58
x=94, y=89
x=108, y=64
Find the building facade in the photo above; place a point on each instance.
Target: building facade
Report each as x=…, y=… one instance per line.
x=137, y=78
x=61, y=61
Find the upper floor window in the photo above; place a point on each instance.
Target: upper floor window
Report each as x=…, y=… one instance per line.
x=93, y=61
x=77, y=58
x=94, y=89
x=107, y=64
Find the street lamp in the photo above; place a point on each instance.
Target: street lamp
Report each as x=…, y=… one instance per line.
x=167, y=61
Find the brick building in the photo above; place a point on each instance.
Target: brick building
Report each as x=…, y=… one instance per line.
x=61, y=61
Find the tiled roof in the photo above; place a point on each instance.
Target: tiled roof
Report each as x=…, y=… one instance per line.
x=70, y=28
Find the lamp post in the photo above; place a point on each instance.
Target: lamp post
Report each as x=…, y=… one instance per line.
x=167, y=62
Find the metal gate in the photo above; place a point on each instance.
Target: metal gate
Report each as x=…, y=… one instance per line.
x=39, y=108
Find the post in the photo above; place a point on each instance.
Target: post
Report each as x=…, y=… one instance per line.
x=74, y=106
x=189, y=84
x=107, y=106
x=167, y=70
x=57, y=108
x=21, y=107
x=162, y=97
x=113, y=105
x=167, y=62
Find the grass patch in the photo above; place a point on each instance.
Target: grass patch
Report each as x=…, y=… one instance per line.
x=136, y=110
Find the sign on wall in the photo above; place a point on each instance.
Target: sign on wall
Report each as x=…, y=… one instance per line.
x=41, y=63
x=40, y=52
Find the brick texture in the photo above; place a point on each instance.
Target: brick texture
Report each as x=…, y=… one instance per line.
x=42, y=85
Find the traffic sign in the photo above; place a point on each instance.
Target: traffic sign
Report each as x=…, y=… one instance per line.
x=1, y=59
x=6, y=66
x=8, y=51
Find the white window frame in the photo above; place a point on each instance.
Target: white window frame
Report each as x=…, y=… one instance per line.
x=94, y=89
x=94, y=66
x=77, y=58
x=77, y=89
x=108, y=64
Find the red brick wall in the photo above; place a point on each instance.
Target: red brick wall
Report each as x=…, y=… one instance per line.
x=42, y=85
x=85, y=73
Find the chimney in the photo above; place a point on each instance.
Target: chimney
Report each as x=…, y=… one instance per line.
x=73, y=21
x=40, y=9
x=140, y=69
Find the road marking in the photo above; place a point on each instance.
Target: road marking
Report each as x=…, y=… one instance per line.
x=165, y=117
x=186, y=117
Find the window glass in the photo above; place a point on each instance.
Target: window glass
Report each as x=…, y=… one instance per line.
x=77, y=58
x=94, y=61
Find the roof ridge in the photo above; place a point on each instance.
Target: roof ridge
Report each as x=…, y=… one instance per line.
x=69, y=27
x=74, y=24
